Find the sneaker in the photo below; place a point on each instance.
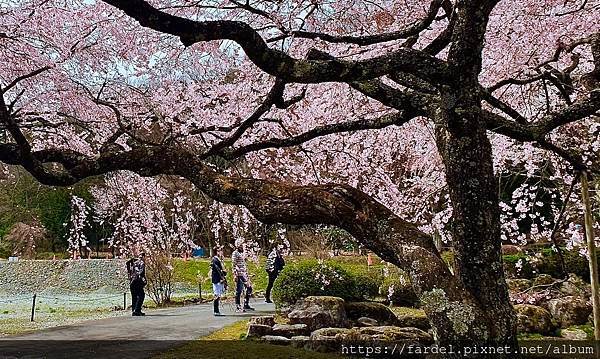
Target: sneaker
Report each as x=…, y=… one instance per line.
x=268, y=301
x=240, y=310
x=219, y=315
x=247, y=307
x=138, y=314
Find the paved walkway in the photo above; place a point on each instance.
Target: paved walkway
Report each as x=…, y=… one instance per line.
x=124, y=337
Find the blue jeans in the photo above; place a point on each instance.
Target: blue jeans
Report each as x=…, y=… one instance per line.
x=240, y=284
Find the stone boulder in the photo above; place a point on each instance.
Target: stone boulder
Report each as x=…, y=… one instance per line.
x=276, y=339
x=290, y=330
x=381, y=313
x=518, y=285
x=534, y=319
x=415, y=318
x=264, y=320
x=573, y=334
x=366, y=322
x=543, y=279
x=575, y=286
x=327, y=339
x=330, y=339
x=391, y=333
x=319, y=312
x=403, y=294
x=570, y=310
x=258, y=330
x=330, y=334
x=299, y=341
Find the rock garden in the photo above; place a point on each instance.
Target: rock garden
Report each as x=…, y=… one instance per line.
x=323, y=323
x=548, y=306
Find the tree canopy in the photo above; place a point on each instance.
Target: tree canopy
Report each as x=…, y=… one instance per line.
x=394, y=120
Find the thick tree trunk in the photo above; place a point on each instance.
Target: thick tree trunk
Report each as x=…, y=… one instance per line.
x=467, y=156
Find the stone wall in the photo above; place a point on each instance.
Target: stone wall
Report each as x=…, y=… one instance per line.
x=63, y=276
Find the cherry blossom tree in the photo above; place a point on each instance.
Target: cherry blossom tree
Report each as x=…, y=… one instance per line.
x=144, y=216
x=78, y=243
x=351, y=114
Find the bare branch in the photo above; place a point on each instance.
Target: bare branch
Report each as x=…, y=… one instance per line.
x=413, y=30
x=277, y=63
x=24, y=77
x=320, y=131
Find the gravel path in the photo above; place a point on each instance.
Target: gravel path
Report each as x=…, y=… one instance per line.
x=123, y=337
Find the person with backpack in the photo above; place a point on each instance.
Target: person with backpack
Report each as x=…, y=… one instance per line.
x=136, y=269
x=274, y=265
x=241, y=278
x=219, y=282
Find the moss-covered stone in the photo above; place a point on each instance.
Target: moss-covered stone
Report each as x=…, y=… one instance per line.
x=319, y=312
x=570, y=310
x=518, y=285
x=534, y=319
x=381, y=313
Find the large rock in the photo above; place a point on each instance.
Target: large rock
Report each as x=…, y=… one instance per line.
x=518, y=285
x=319, y=312
x=276, y=339
x=402, y=294
x=258, y=330
x=568, y=311
x=534, y=319
x=330, y=334
x=330, y=339
x=381, y=313
x=264, y=320
x=299, y=341
x=366, y=322
x=391, y=333
x=327, y=339
x=573, y=334
x=415, y=318
x=575, y=286
x=543, y=280
x=290, y=330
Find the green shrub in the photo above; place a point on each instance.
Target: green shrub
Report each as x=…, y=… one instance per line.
x=309, y=277
x=545, y=261
x=574, y=263
x=518, y=266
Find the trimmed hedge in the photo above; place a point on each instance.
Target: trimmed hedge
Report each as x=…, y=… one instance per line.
x=309, y=277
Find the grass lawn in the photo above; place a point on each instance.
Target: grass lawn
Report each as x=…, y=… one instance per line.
x=227, y=343
x=188, y=272
x=416, y=312
x=21, y=324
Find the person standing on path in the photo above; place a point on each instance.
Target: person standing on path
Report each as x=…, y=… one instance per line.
x=136, y=269
x=219, y=282
x=240, y=278
x=275, y=264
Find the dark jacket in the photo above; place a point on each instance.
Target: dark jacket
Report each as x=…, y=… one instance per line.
x=275, y=262
x=279, y=263
x=136, y=269
x=217, y=273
